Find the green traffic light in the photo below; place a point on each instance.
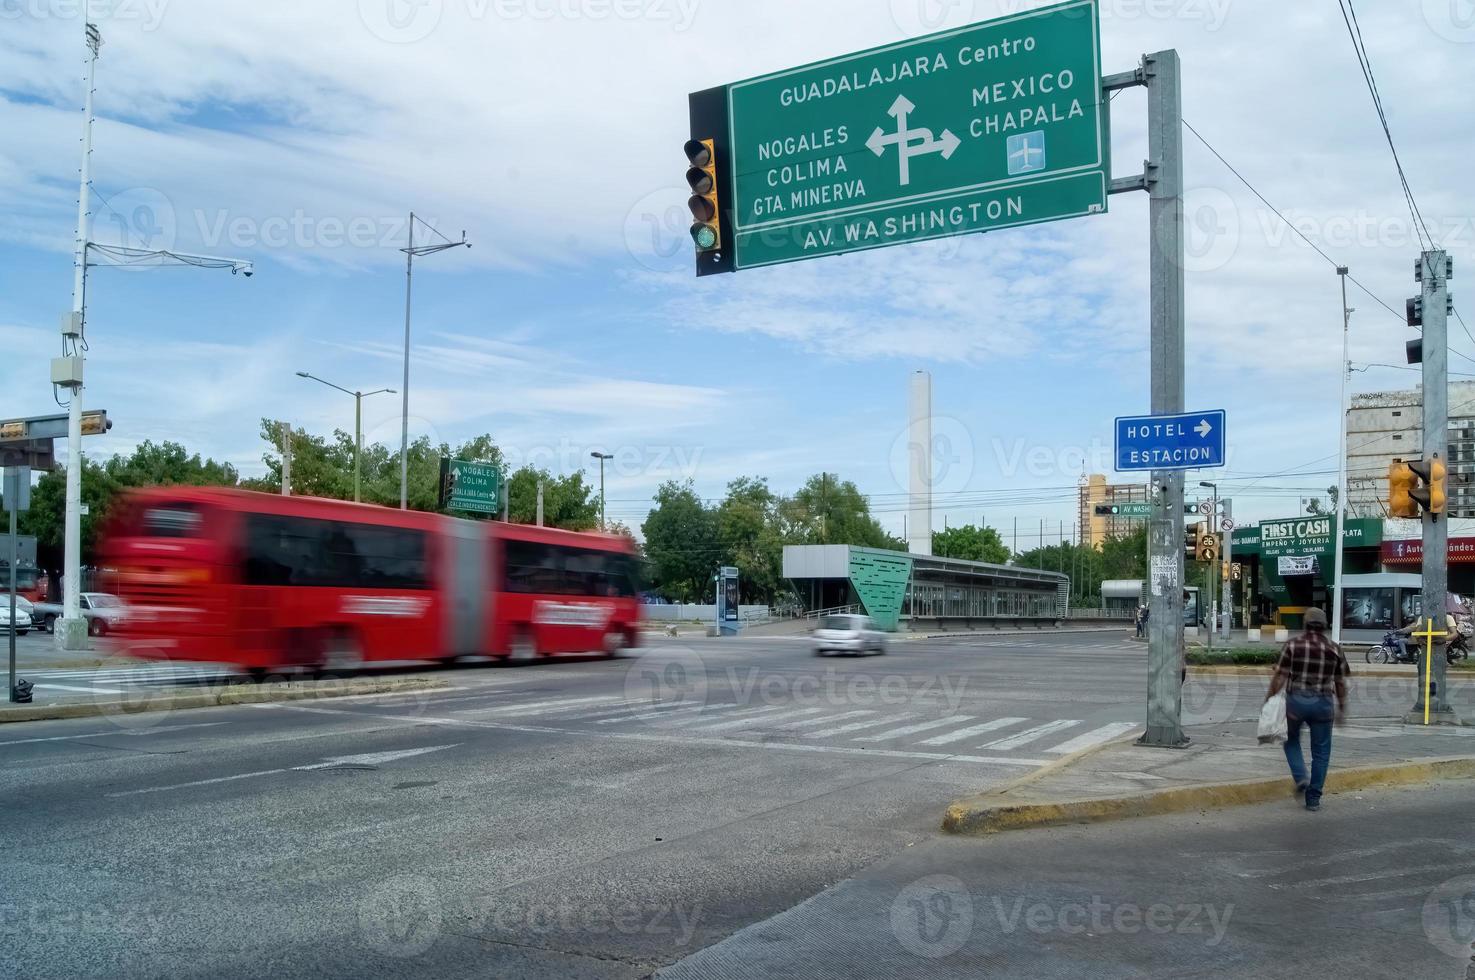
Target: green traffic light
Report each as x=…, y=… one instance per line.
x=704, y=235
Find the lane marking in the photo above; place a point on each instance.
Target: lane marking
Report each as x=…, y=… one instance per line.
x=1103, y=734
x=373, y=758
x=914, y=729
x=747, y=715
x=963, y=733
x=778, y=719
x=367, y=759
x=857, y=726
x=1030, y=734
x=110, y=734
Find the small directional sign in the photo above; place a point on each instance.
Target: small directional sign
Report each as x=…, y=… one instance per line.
x=1124, y=510
x=1191, y=441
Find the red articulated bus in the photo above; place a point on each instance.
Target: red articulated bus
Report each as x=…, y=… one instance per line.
x=263, y=581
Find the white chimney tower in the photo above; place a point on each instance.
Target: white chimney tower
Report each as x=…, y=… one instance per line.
x=919, y=466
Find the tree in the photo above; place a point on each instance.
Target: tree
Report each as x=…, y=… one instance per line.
x=828, y=510
x=681, y=543
x=568, y=502
x=970, y=543
x=750, y=537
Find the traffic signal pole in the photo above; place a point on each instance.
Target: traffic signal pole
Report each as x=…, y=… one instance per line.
x=1434, y=276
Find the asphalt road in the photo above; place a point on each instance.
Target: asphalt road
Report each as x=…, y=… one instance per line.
x=598, y=818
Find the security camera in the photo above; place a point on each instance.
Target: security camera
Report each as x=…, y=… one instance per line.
x=247, y=272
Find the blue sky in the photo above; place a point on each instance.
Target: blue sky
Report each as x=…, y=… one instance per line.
x=299, y=135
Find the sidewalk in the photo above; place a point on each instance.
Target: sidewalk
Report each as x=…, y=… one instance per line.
x=1223, y=765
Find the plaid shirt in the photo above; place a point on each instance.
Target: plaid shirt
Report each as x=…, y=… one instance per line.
x=1312, y=664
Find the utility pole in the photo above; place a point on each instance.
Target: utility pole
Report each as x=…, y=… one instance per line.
x=1433, y=274
x=404, y=435
x=540, y=503
x=1226, y=551
x=358, y=426
x=601, y=457
x=1341, y=516
x=286, y=430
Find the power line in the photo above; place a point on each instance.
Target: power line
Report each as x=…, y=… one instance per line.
x=1354, y=31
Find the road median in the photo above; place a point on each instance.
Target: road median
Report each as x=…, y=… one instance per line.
x=153, y=699
x=1222, y=766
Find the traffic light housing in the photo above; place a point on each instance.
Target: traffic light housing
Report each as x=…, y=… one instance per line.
x=1192, y=541
x=1401, y=483
x=95, y=423
x=1433, y=474
x=706, y=212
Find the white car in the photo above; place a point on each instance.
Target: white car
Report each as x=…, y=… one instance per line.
x=103, y=612
x=848, y=633
x=22, y=624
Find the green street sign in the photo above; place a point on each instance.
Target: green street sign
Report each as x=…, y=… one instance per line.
x=1124, y=510
x=475, y=488
x=997, y=124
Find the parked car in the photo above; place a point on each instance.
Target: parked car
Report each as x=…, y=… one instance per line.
x=848, y=633
x=102, y=610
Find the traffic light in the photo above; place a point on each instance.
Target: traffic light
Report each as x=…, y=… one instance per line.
x=1208, y=547
x=1414, y=311
x=1401, y=483
x=1431, y=496
x=95, y=423
x=1238, y=571
x=1192, y=541
x=706, y=228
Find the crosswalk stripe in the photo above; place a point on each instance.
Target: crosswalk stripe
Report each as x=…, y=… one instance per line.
x=826, y=719
x=87, y=690
x=783, y=719
x=856, y=726
x=536, y=706
x=914, y=729
x=658, y=713
x=756, y=714
x=1103, y=734
x=1030, y=734
x=962, y=733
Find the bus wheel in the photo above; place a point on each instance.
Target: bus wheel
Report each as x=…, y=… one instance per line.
x=614, y=642
x=339, y=653
x=523, y=649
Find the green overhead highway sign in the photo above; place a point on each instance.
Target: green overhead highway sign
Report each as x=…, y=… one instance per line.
x=475, y=488
x=997, y=124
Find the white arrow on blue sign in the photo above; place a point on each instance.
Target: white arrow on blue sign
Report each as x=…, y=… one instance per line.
x=1191, y=441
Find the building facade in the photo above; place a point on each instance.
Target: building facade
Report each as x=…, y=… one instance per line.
x=1386, y=425
x=1095, y=490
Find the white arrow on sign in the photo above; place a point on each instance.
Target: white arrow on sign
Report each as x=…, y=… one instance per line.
x=372, y=758
x=1204, y=428
x=911, y=142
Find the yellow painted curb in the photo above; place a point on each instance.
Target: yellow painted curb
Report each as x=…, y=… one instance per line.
x=225, y=696
x=991, y=814
x=1263, y=670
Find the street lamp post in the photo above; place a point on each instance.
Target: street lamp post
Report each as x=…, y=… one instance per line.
x=358, y=424
x=410, y=253
x=601, y=457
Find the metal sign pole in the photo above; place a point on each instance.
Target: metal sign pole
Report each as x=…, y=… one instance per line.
x=1164, y=179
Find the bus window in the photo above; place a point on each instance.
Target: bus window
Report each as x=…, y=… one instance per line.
x=172, y=521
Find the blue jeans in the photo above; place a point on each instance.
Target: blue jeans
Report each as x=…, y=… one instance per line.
x=1317, y=712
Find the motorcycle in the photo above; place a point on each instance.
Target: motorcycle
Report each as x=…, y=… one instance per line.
x=1394, y=650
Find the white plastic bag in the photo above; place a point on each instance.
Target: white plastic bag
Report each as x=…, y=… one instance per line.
x=1273, y=721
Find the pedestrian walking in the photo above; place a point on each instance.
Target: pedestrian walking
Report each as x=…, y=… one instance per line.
x=1140, y=621
x=1312, y=672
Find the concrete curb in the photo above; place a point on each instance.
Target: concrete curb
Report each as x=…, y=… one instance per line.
x=1017, y=632
x=989, y=814
x=223, y=697
x=1264, y=670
